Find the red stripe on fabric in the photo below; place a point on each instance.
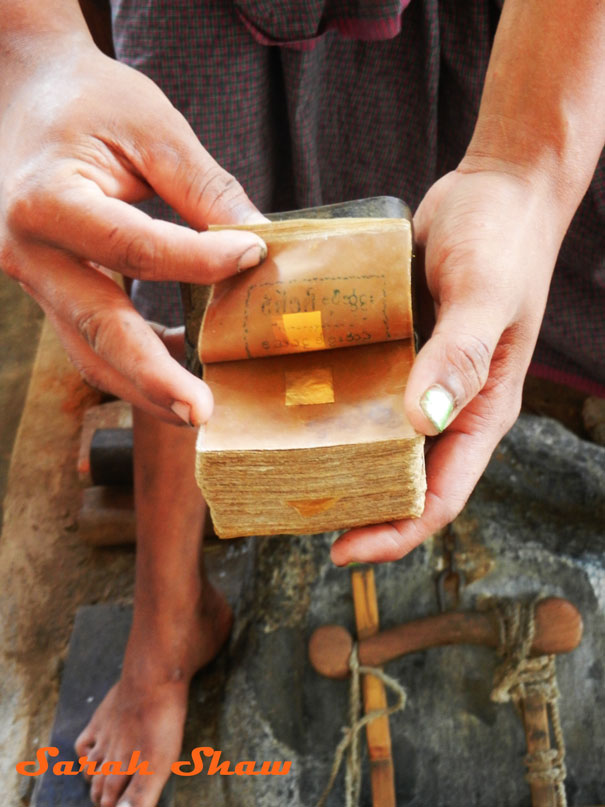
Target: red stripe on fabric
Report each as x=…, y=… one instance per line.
x=351, y=28
x=569, y=379
x=365, y=30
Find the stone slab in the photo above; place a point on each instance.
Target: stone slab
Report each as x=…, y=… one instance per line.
x=534, y=524
x=92, y=666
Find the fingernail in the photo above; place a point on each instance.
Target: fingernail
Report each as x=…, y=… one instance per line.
x=437, y=404
x=125, y=804
x=252, y=256
x=183, y=410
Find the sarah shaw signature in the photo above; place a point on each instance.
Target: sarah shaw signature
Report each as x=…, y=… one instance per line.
x=191, y=767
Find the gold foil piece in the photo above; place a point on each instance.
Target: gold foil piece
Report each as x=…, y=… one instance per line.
x=308, y=387
x=304, y=331
x=311, y=507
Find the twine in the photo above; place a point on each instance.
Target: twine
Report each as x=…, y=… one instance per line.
x=349, y=743
x=520, y=677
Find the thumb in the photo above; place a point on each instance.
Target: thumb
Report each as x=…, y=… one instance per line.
x=453, y=366
x=428, y=207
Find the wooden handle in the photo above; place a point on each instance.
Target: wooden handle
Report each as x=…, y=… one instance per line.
x=534, y=713
x=558, y=630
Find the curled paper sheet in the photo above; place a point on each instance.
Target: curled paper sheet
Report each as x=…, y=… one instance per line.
x=344, y=285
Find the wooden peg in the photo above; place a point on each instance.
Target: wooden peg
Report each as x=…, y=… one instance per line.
x=558, y=630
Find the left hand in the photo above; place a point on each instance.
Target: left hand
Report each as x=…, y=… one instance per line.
x=491, y=240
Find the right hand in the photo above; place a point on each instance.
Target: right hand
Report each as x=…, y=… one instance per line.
x=81, y=138
x=491, y=241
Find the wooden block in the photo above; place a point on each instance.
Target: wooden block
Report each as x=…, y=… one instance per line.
x=111, y=415
x=593, y=414
x=111, y=457
x=107, y=516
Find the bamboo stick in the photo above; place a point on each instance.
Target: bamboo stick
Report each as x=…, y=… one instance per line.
x=374, y=695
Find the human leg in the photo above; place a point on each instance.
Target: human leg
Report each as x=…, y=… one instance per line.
x=179, y=623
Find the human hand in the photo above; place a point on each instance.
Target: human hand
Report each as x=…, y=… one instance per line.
x=81, y=138
x=492, y=231
x=491, y=240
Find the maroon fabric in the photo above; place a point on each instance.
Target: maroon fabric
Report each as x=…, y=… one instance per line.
x=336, y=118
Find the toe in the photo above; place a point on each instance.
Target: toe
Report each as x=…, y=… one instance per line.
x=85, y=741
x=114, y=785
x=95, y=758
x=142, y=791
x=96, y=790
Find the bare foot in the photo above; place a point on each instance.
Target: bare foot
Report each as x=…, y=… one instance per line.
x=145, y=711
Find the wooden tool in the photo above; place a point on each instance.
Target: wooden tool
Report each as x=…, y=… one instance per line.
x=110, y=417
x=111, y=453
x=107, y=517
x=378, y=734
x=558, y=630
x=534, y=715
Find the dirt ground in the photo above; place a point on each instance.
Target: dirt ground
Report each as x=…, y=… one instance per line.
x=46, y=571
x=20, y=323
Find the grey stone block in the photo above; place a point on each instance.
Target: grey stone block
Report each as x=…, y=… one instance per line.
x=534, y=524
x=93, y=665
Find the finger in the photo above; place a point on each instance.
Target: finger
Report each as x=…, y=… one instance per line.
x=455, y=463
x=453, y=366
x=99, y=374
x=93, y=226
x=386, y=542
x=183, y=173
x=173, y=338
x=134, y=358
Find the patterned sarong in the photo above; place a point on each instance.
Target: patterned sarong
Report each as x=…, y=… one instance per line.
x=309, y=102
